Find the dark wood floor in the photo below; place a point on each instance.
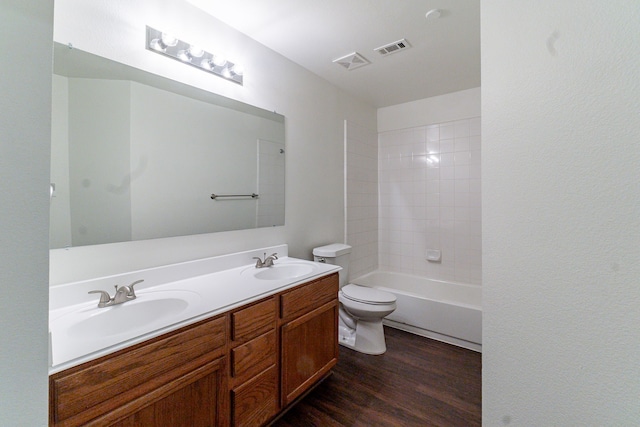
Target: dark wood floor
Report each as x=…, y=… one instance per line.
x=417, y=382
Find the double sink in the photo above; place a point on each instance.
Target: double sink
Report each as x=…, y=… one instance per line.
x=83, y=331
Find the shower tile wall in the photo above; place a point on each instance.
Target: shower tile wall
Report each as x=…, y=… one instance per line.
x=361, y=191
x=429, y=182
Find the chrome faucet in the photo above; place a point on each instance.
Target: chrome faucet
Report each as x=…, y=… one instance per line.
x=268, y=260
x=122, y=295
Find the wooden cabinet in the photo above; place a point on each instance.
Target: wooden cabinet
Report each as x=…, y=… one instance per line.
x=303, y=323
x=256, y=401
x=309, y=336
x=240, y=368
x=143, y=382
x=254, y=364
x=193, y=403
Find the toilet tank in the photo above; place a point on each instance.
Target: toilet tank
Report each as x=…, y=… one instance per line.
x=337, y=254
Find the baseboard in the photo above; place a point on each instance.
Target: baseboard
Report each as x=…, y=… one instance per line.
x=433, y=335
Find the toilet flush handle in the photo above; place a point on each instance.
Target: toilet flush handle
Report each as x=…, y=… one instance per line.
x=321, y=259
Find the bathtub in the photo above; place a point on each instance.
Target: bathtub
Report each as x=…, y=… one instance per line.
x=445, y=311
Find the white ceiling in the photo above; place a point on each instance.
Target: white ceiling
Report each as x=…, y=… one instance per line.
x=444, y=57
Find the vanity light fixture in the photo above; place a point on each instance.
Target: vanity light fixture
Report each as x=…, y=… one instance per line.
x=165, y=44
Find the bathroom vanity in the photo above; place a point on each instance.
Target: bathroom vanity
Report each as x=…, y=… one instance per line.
x=240, y=366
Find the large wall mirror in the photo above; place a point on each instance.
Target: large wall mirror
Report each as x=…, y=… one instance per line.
x=137, y=156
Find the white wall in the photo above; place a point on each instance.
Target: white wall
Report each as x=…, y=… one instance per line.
x=561, y=213
x=314, y=111
x=437, y=109
x=25, y=131
x=99, y=140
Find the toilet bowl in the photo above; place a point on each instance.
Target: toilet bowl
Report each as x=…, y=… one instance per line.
x=361, y=314
x=361, y=308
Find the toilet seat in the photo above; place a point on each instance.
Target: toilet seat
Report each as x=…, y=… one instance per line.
x=366, y=295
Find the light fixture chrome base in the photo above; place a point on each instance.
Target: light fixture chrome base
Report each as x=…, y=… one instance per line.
x=167, y=45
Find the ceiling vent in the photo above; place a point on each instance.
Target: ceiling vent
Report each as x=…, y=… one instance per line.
x=393, y=47
x=352, y=61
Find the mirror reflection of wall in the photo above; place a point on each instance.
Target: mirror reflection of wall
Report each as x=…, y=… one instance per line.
x=270, y=183
x=132, y=161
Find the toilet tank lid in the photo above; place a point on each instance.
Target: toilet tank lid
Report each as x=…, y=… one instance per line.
x=332, y=250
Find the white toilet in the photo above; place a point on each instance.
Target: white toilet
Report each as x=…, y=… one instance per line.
x=361, y=308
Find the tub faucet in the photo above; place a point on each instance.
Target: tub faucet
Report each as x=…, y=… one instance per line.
x=268, y=260
x=122, y=295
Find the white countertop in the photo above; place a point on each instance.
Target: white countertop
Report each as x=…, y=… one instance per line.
x=205, y=287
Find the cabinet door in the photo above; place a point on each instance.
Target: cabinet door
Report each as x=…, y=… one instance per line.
x=309, y=349
x=196, y=400
x=256, y=401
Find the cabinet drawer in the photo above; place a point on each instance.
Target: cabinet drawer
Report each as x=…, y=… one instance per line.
x=100, y=386
x=256, y=401
x=305, y=298
x=253, y=321
x=254, y=356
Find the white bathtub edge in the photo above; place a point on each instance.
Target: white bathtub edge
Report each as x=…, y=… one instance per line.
x=445, y=311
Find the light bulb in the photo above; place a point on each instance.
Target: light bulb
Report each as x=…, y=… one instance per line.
x=238, y=69
x=184, y=56
x=156, y=44
x=169, y=40
x=206, y=64
x=226, y=73
x=219, y=60
x=195, y=51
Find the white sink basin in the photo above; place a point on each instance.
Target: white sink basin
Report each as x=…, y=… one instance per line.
x=121, y=318
x=145, y=313
x=283, y=271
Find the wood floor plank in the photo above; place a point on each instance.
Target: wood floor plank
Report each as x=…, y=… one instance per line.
x=417, y=382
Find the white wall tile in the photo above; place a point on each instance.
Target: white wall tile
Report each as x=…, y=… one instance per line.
x=365, y=166
x=433, y=147
x=461, y=144
x=447, y=198
x=461, y=200
x=447, y=159
x=447, y=131
x=447, y=146
x=474, y=142
x=462, y=158
x=461, y=185
x=433, y=133
x=462, y=172
x=461, y=128
x=474, y=126
x=427, y=204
